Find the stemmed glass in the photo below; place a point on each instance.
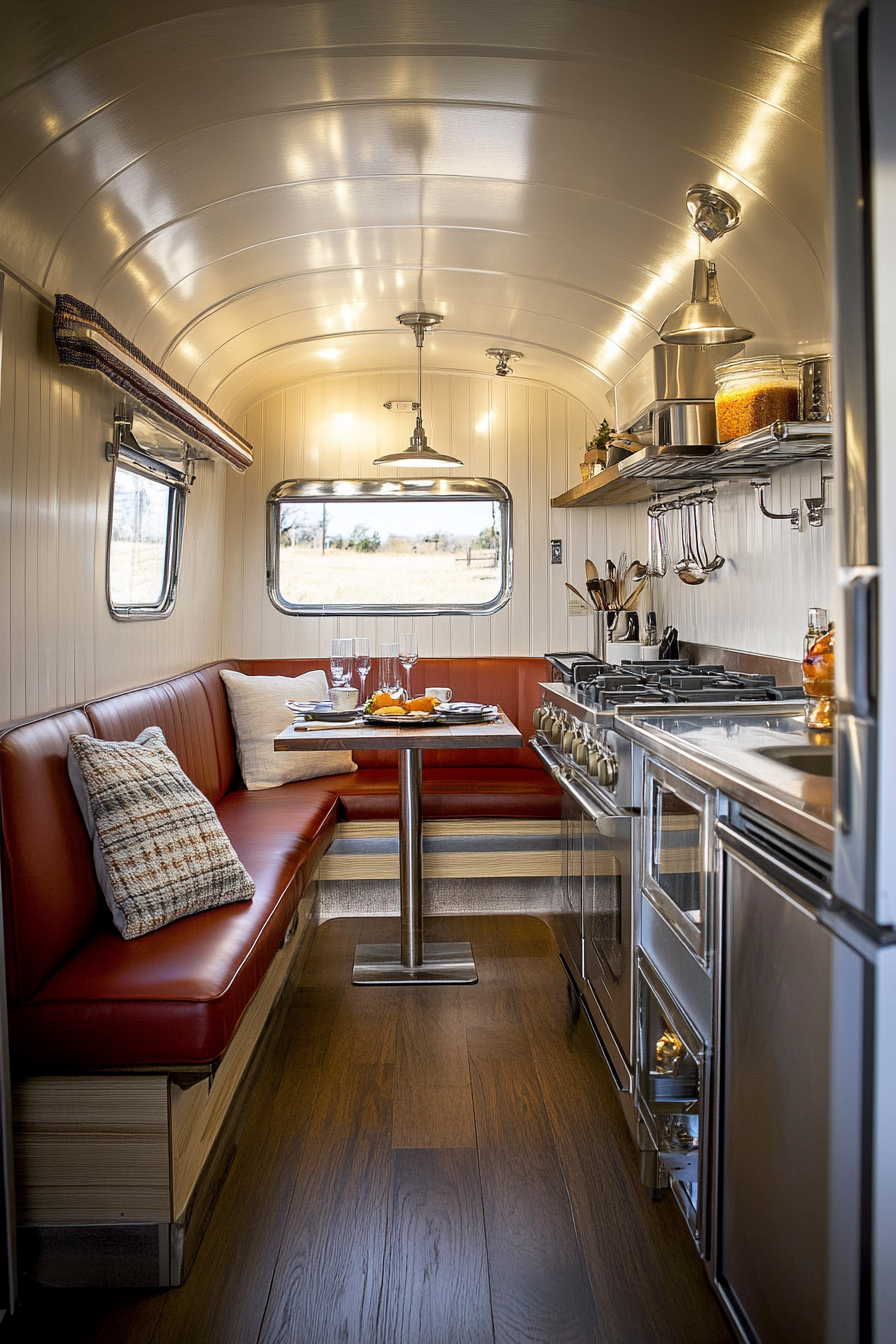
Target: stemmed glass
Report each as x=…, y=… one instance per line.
x=361, y=655
x=408, y=655
x=341, y=662
x=390, y=677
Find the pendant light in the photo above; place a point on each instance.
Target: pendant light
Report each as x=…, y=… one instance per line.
x=704, y=320
x=419, y=450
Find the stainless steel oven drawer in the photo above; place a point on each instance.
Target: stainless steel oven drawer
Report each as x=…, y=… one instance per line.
x=677, y=854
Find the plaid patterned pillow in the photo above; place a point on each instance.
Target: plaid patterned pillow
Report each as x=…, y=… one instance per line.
x=159, y=849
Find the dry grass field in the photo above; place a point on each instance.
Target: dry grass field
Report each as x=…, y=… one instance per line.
x=136, y=572
x=371, y=578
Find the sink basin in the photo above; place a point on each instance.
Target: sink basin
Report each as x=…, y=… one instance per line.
x=811, y=760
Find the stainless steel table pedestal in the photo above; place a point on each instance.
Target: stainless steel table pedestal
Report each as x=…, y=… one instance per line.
x=412, y=961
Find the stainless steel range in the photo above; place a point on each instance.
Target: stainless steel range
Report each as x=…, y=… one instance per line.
x=600, y=770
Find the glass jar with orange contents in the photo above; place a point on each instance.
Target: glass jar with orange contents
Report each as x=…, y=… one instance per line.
x=753, y=393
x=818, y=670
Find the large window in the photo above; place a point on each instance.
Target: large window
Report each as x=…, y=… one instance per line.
x=414, y=546
x=146, y=517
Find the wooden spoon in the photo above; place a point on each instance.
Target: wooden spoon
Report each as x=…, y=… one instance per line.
x=629, y=603
x=595, y=589
x=579, y=595
x=591, y=571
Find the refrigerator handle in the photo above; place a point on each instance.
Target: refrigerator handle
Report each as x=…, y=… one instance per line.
x=858, y=584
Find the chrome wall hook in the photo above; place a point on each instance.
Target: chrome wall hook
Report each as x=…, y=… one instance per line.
x=794, y=515
x=815, y=506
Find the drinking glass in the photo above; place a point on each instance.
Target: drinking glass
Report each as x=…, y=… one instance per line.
x=341, y=662
x=361, y=655
x=390, y=677
x=408, y=655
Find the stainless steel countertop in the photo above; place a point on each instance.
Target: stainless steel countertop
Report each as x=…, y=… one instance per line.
x=720, y=745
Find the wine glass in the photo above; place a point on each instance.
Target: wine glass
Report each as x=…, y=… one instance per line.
x=341, y=662
x=390, y=677
x=408, y=655
x=361, y=655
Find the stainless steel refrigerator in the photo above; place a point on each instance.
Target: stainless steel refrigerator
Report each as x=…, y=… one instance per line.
x=860, y=68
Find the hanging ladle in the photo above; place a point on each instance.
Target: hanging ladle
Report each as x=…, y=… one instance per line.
x=657, y=554
x=689, y=569
x=717, y=560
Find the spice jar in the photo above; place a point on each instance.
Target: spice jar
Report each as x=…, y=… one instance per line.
x=818, y=671
x=753, y=393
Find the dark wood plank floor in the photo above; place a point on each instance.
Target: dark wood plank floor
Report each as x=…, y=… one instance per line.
x=424, y=1165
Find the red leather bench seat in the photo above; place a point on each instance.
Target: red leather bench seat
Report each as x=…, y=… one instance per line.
x=81, y=998
x=177, y=995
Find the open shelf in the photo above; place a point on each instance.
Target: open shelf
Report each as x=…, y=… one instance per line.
x=643, y=475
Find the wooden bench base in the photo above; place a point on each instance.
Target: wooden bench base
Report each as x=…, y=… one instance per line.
x=117, y=1174
x=368, y=850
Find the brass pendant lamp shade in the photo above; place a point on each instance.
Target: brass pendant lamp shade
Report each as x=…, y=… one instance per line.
x=704, y=320
x=419, y=451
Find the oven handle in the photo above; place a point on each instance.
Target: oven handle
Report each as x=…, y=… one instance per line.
x=608, y=825
x=546, y=759
x=613, y=827
x=797, y=884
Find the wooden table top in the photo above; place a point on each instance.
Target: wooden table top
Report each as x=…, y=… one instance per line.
x=335, y=737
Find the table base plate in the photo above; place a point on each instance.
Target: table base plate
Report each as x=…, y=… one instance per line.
x=443, y=964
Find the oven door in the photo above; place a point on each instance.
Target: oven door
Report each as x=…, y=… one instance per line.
x=607, y=909
x=606, y=895
x=570, y=918
x=677, y=854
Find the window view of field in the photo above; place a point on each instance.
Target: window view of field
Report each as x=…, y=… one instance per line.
x=416, y=553
x=139, y=543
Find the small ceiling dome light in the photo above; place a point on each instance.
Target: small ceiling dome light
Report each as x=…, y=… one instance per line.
x=418, y=451
x=704, y=320
x=504, y=357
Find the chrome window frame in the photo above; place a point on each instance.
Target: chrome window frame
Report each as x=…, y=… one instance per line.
x=146, y=460
x=414, y=490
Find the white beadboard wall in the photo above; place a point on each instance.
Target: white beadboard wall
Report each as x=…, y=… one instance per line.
x=524, y=434
x=62, y=645
x=758, y=601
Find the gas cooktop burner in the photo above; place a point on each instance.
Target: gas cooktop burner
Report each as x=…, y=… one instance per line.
x=677, y=683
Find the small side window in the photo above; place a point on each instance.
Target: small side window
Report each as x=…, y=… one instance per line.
x=146, y=520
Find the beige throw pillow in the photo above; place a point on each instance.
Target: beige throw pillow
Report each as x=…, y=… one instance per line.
x=258, y=709
x=159, y=849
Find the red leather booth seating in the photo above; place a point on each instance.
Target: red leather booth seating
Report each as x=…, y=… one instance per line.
x=84, y=1000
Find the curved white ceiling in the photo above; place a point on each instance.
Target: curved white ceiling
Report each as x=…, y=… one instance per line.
x=253, y=192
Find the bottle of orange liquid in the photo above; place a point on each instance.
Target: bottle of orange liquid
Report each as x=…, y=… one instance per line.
x=818, y=670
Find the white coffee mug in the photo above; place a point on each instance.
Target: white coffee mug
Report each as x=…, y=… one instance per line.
x=439, y=692
x=344, y=697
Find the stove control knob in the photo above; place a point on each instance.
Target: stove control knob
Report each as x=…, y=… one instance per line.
x=567, y=740
x=594, y=762
x=580, y=750
x=607, y=772
x=557, y=731
x=539, y=716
